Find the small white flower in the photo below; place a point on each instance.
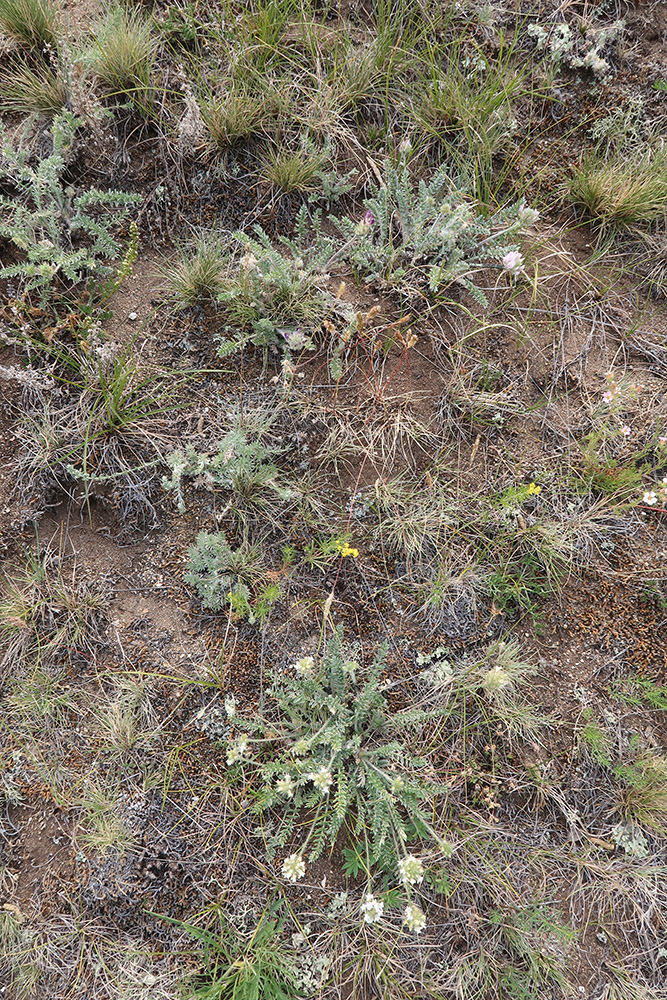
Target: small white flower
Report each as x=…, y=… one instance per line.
x=596, y=64
x=238, y=749
x=415, y=918
x=650, y=498
x=372, y=908
x=527, y=216
x=626, y=431
x=496, y=679
x=285, y=785
x=322, y=779
x=294, y=867
x=305, y=666
x=410, y=870
x=513, y=262
x=230, y=706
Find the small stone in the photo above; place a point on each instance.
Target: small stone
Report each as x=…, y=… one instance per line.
x=132, y=316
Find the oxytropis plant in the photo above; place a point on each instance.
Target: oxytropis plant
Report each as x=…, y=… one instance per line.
x=328, y=755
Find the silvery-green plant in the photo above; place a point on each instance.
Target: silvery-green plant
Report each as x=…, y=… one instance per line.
x=222, y=575
x=327, y=746
x=243, y=467
x=428, y=237
x=561, y=45
x=277, y=297
x=60, y=233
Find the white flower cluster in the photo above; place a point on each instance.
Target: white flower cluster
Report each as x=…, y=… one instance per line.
x=285, y=785
x=414, y=918
x=595, y=63
x=372, y=908
x=527, y=216
x=294, y=867
x=410, y=870
x=322, y=779
x=238, y=749
x=305, y=666
x=496, y=679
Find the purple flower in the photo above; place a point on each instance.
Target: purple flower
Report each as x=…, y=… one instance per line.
x=296, y=340
x=369, y=218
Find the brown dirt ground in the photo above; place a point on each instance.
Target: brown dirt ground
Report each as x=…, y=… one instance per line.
x=598, y=621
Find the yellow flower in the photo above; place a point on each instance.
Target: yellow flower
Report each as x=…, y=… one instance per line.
x=346, y=550
x=534, y=489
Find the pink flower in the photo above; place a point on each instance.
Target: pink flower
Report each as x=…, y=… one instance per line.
x=626, y=431
x=513, y=262
x=607, y=397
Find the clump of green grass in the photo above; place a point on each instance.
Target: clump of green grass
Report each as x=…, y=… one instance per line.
x=28, y=89
x=468, y=108
x=643, y=793
x=45, y=616
x=124, y=53
x=622, y=191
x=33, y=23
x=243, y=966
x=295, y=170
x=233, y=118
x=198, y=274
x=102, y=826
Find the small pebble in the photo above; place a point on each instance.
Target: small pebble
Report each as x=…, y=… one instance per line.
x=132, y=316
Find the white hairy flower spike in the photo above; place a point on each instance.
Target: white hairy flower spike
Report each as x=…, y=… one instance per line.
x=372, y=909
x=305, y=666
x=527, y=216
x=496, y=679
x=410, y=870
x=294, y=867
x=322, y=779
x=414, y=918
x=285, y=785
x=238, y=749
